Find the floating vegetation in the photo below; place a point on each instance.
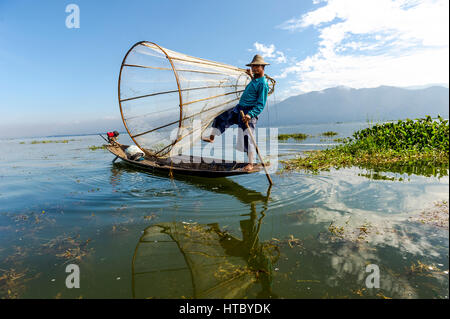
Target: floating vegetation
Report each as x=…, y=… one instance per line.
x=435, y=216
x=363, y=293
x=336, y=231
x=94, y=147
x=12, y=282
x=295, y=136
x=329, y=133
x=49, y=141
x=291, y=241
x=353, y=234
x=421, y=269
x=377, y=176
x=382, y=296
x=339, y=140
x=414, y=147
x=15, y=276
x=69, y=248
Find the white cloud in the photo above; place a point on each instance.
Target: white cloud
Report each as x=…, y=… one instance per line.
x=373, y=42
x=269, y=52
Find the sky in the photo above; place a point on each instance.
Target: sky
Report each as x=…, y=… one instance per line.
x=59, y=80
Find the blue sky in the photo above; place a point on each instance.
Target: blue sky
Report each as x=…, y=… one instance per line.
x=55, y=79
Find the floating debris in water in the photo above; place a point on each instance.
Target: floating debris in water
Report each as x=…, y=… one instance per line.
x=293, y=241
x=12, y=282
x=437, y=215
x=353, y=234
x=68, y=248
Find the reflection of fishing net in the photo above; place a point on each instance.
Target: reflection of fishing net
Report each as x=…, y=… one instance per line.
x=191, y=260
x=169, y=98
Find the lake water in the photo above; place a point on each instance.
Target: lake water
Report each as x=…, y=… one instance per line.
x=137, y=234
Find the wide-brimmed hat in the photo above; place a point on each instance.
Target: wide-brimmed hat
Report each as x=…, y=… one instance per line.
x=257, y=60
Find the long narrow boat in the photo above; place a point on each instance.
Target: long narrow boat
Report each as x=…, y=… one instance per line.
x=183, y=164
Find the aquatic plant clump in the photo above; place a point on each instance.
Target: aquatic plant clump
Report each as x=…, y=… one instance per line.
x=418, y=146
x=94, y=147
x=329, y=133
x=49, y=141
x=295, y=136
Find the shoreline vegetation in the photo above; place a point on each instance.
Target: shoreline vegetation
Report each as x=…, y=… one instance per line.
x=419, y=146
x=48, y=141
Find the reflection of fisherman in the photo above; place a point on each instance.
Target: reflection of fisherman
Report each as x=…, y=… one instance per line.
x=256, y=254
x=252, y=103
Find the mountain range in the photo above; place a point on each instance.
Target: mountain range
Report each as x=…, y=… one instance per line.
x=343, y=104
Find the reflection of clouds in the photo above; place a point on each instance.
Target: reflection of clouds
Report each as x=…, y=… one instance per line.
x=350, y=261
x=385, y=207
x=355, y=191
x=383, y=230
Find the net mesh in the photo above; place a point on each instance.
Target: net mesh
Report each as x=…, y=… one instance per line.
x=167, y=99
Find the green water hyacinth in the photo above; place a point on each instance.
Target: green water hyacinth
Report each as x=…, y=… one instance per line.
x=420, y=134
x=417, y=146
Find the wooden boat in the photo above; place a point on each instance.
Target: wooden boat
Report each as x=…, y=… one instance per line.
x=185, y=165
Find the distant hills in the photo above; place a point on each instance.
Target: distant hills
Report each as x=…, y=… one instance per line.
x=343, y=104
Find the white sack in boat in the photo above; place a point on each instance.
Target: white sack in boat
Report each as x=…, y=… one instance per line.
x=133, y=152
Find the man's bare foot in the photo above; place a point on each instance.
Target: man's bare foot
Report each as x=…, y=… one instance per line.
x=208, y=140
x=248, y=167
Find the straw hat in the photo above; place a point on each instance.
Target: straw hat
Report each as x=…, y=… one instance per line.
x=257, y=60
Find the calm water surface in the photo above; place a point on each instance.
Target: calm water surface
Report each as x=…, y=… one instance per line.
x=137, y=234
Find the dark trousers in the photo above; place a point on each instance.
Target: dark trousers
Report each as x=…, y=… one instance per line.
x=231, y=117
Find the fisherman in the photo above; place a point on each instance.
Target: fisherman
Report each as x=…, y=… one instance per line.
x=112, y=136
x=252, y=103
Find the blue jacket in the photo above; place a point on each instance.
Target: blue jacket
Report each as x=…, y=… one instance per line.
x=254, y=98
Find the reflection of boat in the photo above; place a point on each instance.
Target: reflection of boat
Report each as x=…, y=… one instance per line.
x=217, y=185
x=186, y=165
x=177, y=259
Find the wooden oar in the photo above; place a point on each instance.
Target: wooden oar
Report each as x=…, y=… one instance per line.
x=257, y=149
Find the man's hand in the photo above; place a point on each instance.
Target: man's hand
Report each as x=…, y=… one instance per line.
x=246, y=118
x=249, y=72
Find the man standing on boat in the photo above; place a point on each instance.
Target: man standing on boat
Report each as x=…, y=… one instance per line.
x=252, y=103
